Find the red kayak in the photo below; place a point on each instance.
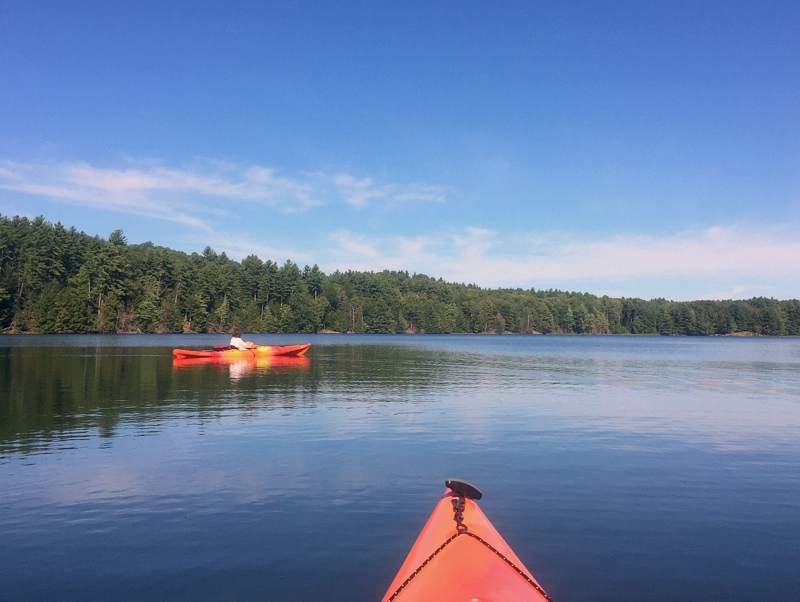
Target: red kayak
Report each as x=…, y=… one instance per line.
x=224, y=353
x=459, y=557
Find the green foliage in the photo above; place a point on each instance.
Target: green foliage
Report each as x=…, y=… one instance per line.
x=54, y=279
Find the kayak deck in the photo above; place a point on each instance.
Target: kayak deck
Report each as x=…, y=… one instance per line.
x=260, y=350
x=459, y=556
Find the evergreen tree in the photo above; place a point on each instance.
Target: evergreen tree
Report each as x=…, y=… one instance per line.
x=54, y=279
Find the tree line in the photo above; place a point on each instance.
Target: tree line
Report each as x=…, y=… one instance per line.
x=55, y=279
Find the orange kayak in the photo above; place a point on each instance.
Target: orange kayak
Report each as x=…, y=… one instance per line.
x=233, y=354
x=459, y=556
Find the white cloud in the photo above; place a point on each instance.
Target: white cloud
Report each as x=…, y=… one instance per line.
x=724, y=261
x=718, y=250
x=364, y=192
x=421, y=193
x=185, y=195
x=351, y=245
x=740, y=261
x=351, y=251
x=358, y=192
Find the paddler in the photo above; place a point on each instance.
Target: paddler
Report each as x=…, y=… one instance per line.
x=238, y=343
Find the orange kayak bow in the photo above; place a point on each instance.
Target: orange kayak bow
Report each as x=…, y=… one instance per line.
x=459, y=556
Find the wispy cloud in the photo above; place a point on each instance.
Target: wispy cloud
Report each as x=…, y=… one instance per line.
x=362, y=192
x=744, y=262
x=182, y=194
x=132, y=191
x=730, y=250
x=725, y=261
x=358, y=192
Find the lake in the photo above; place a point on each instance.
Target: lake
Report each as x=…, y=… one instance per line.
x=636, y=468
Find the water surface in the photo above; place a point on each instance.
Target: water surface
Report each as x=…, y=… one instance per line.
x=636, y=467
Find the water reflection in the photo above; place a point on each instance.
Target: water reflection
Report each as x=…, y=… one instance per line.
x=51, y=394
x=239, y=367
x=706, y=390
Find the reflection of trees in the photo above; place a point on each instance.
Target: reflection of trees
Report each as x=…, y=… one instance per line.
x=50, y=394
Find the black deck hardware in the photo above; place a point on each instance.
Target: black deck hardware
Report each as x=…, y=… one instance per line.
x=463, y=488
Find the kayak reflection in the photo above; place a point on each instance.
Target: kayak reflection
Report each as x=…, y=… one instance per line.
x=239, y=367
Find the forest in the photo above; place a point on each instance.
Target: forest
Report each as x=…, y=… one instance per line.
x=55, y=279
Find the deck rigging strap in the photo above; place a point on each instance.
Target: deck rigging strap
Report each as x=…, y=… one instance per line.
x=522, y=573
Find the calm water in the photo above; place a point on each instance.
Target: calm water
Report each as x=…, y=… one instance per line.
x=617, y=468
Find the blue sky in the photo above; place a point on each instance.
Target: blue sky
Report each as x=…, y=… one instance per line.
x=643, y=148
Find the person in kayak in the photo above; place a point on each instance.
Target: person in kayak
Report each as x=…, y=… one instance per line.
x=238, y=343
